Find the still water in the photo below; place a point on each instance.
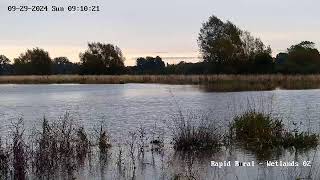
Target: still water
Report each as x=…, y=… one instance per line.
x=124, y=108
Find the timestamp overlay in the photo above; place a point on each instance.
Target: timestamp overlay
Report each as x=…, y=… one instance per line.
x=51, y=6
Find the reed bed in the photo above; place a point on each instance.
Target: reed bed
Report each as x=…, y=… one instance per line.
x=206, y=82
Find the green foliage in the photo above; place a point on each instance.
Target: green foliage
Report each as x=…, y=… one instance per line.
x=230, y=49
x=102, y=59
x=219, y=42
x=188, y=136
x=301, y=58
x=34, y=62
x=225, y=48
x=259, y=131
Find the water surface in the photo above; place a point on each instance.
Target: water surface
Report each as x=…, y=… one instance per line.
x=125, y=107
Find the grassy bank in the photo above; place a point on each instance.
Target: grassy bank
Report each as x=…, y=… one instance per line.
x=210, y=82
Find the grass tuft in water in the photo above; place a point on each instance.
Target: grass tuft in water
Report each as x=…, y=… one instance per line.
x=301, y=140
x=189, y=136
x=19, y=151
x=82, y=144
x=260, y=130
x=4, y=162
x=104, y=141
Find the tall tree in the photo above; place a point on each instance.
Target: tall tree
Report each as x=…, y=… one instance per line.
x=36, y=61
x=229, y=49
x=302, y=58
x=5, y=66
x=220, y=42
x=102, y=59
x=253, y=46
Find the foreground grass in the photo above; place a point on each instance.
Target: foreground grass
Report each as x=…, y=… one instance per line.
x=266, y=137
x=62, y=147
x=190, y=137
x=255, y=131
x=210, y=82
x=261, y=131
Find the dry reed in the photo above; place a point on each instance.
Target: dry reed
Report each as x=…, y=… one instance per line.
x=211, y=82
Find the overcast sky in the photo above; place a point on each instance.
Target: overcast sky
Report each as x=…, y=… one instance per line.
x=167, y=28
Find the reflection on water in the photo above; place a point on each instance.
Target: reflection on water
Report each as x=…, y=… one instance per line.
x=124, y=108
x=247, y=85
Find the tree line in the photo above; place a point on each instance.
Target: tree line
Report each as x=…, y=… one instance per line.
x=225, y=49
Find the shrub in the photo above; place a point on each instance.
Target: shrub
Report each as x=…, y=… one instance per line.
x=260, y=130
x=257, y=128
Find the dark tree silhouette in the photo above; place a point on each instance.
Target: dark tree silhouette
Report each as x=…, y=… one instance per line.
x=301, y=58
x=62, y=65
x=280, y=61
x=150, y=65
x=253, y=46
x=102, y=59
x=5, y=66
x=36, y=61
x=227, y=48
x=262, y=63
x=188, y=68
x=220, y=43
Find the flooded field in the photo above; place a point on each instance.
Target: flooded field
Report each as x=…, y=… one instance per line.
x=141, y=122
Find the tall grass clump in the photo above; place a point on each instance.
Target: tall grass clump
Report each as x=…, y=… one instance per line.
x=4, y=162
x=59, y=145
x=46, y=150
x=82, y=144
x=157, y=139
x=260, y=130
x=19, y=151
x=104, y=141
x=192, y=136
